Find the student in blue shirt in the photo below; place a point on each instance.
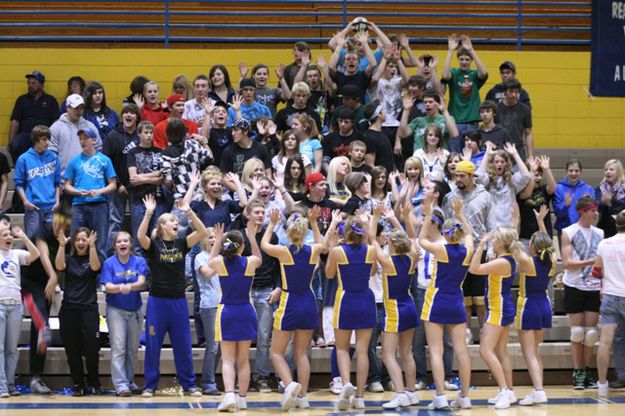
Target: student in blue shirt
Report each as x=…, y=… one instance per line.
x=123, y=276
x=245, y=105
x=89, y=177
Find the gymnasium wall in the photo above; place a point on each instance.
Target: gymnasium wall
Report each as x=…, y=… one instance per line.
x=565, y=116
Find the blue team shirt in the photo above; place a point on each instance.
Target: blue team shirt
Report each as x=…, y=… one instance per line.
x=89, y=172
x=114, y=271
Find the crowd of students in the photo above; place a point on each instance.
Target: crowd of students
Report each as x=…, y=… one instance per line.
x=366, y=207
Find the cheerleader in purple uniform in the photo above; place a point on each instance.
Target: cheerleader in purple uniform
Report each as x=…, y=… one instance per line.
x=444, y=301
x=297, y=311
x=235, y=324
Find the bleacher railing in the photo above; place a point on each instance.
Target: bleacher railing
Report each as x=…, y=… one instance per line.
x=506, y=22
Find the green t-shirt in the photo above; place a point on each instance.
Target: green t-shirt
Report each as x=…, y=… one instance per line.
x=464, y=93
x=419, y=124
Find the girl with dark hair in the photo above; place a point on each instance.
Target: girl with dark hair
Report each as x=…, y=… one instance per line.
x=96, y=111
x=221, y=88
x=75, y=85
x=289, y=146
x=235, y=323
x=433, y=154
x=79, y=317
x=450, y=167
x=294, y=175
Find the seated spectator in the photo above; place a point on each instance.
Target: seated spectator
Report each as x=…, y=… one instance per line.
x=221, y=89
x=195, y=109
x=269, y=97
x=507, y=70
x=97, y=111
x=300, y=94
x=175, y=104
x=245, y=105
x=242, y=149
x=152, y=109
x=75, y=85
x=516, y=118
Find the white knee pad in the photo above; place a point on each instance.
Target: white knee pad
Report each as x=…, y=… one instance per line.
x=577, y=334
x=591, y=336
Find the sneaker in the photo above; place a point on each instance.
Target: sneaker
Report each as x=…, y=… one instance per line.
x=228, y=403
x=358, y=403
x=450, y=385
x=347, y=391
x=289, y=399
x=460, y=402
x=618, y=384
x=241, y=403
x=375, y=387
x=602, y=389
x=420, y=385
x=336, y=385
x=96, y=391
x=263, y=386
x=5, y=395
x=469, y=337
x=412, y=397
x=38, y=387
x=512, y=397
x=535, y=397
x=439, y=403
x=589, y=380
x=78, y=391
x=14, y=392
x=399, y=400
x=579, y=377
x=281, y=387
x=503, y=401
x=147, y=393
x=302, y=403
x=494, y=400
x=193, y=392
x=124, y=393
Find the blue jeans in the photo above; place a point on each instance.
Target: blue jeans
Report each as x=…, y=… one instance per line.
x=618, y=346
x=124, y=332
x=10, y=323
x=264, y=314
x=377, y=371
x=137, y=211
x=613, y=312
x=117, y=211
x=211, y=351
x=93, y=216
x=420, y=341
x=34, y=220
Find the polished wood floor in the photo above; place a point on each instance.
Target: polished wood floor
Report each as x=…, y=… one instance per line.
x=562, y=401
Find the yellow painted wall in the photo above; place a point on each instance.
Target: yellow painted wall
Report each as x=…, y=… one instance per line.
x=564, y=114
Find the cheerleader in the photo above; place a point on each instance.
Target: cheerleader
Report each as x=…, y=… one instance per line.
x=354, y=305
x=500, y=309
x=533, y=306
x=297, y=311
x=236, y=323
x=400, y=313
x=444, y=301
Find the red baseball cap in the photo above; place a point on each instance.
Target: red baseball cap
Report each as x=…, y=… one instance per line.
x=313, y=179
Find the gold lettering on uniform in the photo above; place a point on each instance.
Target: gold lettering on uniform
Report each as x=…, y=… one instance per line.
x=151, y=330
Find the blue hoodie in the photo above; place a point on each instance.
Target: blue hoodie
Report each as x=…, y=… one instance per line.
x=566, y=216
x=38, y=175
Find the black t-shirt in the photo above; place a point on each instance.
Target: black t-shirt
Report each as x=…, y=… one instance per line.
x=80, y=284
x=285, y=117
x=34, y=272
x=529, y=226
x=359, y=79
x=325, y=216
x=515, y=120
x=218, y=140
x=268, y=273
x=146, y=160
x=166, y=260
x=272, y=144
x=5, y=168
x=379, y=144
x=497, y=136
x=336, y=145
x=364, y=168
x=234, y=157
x=355, y=203
x=30, y=112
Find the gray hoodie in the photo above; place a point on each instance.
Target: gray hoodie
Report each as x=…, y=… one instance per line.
x=64, y=140
x=477, y=209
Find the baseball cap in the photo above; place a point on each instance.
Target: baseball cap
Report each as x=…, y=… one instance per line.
x=38, y=75
x=465, y=166
x=74, y=100
x=247, y=82
x=507, y=65
x=89, y=132
x=313, y=179
x=174, y=98
x=241, y=124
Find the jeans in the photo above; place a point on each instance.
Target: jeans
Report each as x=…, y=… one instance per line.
x=264, y=314
x=137, y=211
x=124, y=332
x=419, y=342
x=190, y=276
x=10, y=323
x=34, y=220
x=211, y=351
x=117, y=211
x=91, y=216
x=613, y=312
x=618, y=346
x=377, y=371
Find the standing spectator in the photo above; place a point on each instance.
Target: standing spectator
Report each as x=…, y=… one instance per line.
x=175, y=103
x=79, y=317
x=489, y=131
x=64, y=131
x=289, y=146
x=89, y=177
x=30, y=110
x=352, y=97
x=322, y=88
x=5, y=169
x=611, y=196
x=195, y=108
x=433, y=154
x=310, y=146
x=379, y=148
x=507, y=71
x=464, y=86
x=152, y=108
x=610, y=263
x=568, y=191
x=123, y=276
x=472, y=148
x=101, y=115
x=534, y=196
x=219, y=135
x=300, y=49
x=267, y=96
x=352, y=74
x=360, y=41
x=221, y=88
x=245, y=105
x=516, y=118
x=37, y=180
x=581, y=288
x=426, y=67
x=242, y=149
x=75, y=85
x=300, y=94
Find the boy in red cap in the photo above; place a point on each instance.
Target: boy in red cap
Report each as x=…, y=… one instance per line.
x=175, y=102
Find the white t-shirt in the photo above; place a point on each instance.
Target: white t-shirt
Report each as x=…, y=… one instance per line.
x=279, y=163
x=210, y=290
x=389, y=94
x=584, y=243
x=425, y=266
x=10, y=277
x=612, y=252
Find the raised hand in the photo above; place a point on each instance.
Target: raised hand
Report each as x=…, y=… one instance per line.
x=544, y=162
x=236, y=103
x=466, y=42
x=388, y=213
x=407, y=102
x=336, y=216
x=452, y=42
x=275, y=216
x=388, y=52
x=261, y=127
x=219, y=233
x=541, y=213
x=321, y=61
x=306, y=59
x=150, y=203
x=61, y=238
x=442, y=106
x=510, y=148
x=486, y=238
x=404, y=42
x=251, y=229
x=182, y=205
x=18, y=232
x=457, y=204
x=314, y=213
x=93, y=238
x=139, y=100
x=243, y=69
x=278, y=180
x=280, y=69
x=271, y=127
x=466, y=153
x=433, y=62
x=195, y=177
x=406, y=209
x=378, y=210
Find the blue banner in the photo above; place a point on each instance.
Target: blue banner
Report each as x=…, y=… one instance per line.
x=607, y=68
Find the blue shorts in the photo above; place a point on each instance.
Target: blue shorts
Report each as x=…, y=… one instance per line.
x=533, y=313
x=612, y=310
x=399, y=315
x=296, y=311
